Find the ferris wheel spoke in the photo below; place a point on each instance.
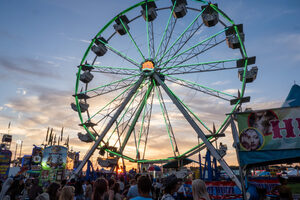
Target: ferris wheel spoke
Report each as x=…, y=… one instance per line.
x=151, y=41
x=144, y=128
x=147, y=29
x=180, y=36
x=165, y=120
x=184, y=40
x=169, y=122
x=130, y=110
x=113, y=86
x=141, y=131
x=113, y=70
x=148, y=125
x=200, y=88
x=212, y=139
x=167, y=32
x=132, y=40
x=187, y=108
x=119, y=53
x=136, y=117
x=121, y=94
x=200, y=67
x=193, y=51
x=123, y=116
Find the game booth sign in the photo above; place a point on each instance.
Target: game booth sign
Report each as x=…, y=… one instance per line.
x=54, y=163
x=266, y=137
x=269, y=136
x=5, y=158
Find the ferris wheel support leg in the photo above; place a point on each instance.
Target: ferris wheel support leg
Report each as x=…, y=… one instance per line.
x=200, y=133
x=131, y=128
x=236, y=145
x=108, y=126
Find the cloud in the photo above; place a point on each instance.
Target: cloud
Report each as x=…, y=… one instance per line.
x=28, y=66
x=66, y=58
x=231, y=91
x=21, y=91
x=258, y=104
x=289, y=42
x=85, y=41
x=221, y=82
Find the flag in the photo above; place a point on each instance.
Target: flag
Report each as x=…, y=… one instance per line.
x=67, y=141
x=50, y=137
x=62, y=133
x=214, y=128
x=54, y=139
x=47, y=134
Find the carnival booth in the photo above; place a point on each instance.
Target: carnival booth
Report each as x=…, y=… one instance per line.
x=5, y=158
x=155, y=171
x=270, y=136
x=54, y=163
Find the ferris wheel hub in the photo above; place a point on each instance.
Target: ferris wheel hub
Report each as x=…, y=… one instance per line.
x=148, y=67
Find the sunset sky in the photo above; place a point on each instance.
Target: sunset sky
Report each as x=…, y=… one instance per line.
x=43, y=42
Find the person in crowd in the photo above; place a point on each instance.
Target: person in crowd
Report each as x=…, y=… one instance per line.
x=79, y=190
x=35, y=189
x=67, y=193
x=88, y=190
x=16, y=188
x=72, y=182
x=285, y=192
x=53, y=191
x=46, y=185
x=27, y=187
x=127, y=187
x=133, y=190
x=199, y=190
x=185, y=190
x=157, y=188
x=111, y=183
x=6, y=185
x=63, y=183
x=144, y=188
x=100, y=191
x=121, y=182
x=117, y=194
x=171, y=186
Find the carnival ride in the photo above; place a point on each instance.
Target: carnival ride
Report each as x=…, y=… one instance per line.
x=159, y=71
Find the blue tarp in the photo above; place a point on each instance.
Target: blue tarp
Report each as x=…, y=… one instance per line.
x=293, y=98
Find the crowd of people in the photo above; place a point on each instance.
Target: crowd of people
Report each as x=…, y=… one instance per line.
x=139, y=187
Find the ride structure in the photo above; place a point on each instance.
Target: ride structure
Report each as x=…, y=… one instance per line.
x=164, y=69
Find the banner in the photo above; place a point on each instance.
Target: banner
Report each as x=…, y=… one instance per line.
x=37, y=154
x=223, y=190
x=54, y=157
x=5, y=156
x=272, y=134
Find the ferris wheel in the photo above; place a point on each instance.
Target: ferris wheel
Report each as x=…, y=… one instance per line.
x=158, y=76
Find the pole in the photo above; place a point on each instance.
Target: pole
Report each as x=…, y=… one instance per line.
x=236, y=145
x=16, y=151
x=21, y=149
x=108, y=126
x=200, y=133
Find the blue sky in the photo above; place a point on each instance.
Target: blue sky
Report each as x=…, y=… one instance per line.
x=42, y=43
